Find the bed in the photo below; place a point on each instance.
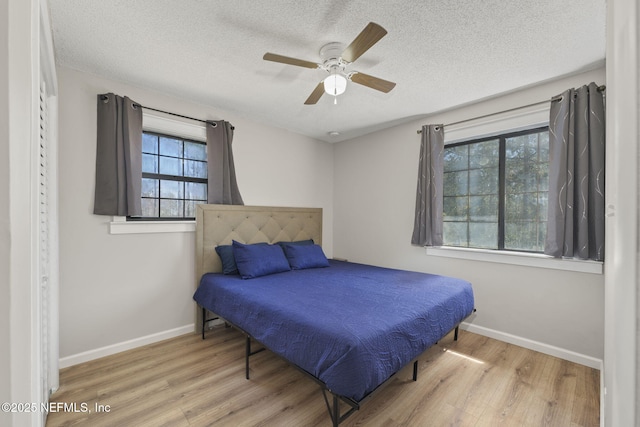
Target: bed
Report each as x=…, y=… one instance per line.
x=348, y=326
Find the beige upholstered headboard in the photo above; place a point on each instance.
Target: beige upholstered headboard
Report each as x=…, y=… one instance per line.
x=220, y=224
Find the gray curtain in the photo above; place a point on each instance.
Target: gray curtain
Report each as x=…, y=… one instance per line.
x=575, y=226
x=223, y=188
x=427, y=228
x=118, y=157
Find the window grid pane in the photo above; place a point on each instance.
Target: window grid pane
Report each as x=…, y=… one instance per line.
x=526, y=167
x=149, y=143
x=470, y=194
x=481, y=198
x=456, y=200
x=174, y=176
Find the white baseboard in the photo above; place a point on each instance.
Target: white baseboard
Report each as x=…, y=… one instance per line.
x=562, y=353
x=551, y=350
x=126, y=345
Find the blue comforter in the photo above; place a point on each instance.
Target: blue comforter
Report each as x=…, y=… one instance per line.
x=350, y=325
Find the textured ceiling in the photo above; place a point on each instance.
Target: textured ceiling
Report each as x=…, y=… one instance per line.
x=441, y=53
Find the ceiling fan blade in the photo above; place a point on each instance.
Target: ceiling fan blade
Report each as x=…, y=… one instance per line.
x=315, y=95
x=291, y=61
x=372, y=82
x=371, y=34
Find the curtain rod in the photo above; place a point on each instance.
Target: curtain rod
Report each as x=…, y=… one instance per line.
x=104, y=97
x=555, y=98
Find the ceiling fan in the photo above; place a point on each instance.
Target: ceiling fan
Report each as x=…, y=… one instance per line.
x=335, y=61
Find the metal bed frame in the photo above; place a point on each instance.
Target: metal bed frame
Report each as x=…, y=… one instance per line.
x=333, y=407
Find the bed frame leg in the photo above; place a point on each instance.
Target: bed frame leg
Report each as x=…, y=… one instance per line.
x=204, y=320
x=415, y=370
x=334, y=410
x=455, y=333
x=247, y=354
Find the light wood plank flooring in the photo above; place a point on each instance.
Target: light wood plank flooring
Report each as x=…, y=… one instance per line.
x=184, y=381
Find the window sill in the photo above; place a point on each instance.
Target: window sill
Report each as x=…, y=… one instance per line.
x=517, y=258
x=120, y=225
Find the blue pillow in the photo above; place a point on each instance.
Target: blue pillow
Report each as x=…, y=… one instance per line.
x=297, y=242
x=305, y=256
x=259, y=259
x=225, y=252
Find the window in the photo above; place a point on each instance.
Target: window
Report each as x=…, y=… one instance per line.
x=174, y=177
x=495, y=192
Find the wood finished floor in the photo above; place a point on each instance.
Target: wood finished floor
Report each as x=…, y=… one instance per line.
x=184, y=381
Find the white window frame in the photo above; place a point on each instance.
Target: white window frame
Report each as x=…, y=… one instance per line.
x=167, y=126
x=510, y=121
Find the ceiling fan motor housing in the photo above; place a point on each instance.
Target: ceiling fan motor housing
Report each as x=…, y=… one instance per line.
x=331, y=54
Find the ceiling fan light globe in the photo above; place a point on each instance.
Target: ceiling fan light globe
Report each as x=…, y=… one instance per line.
x=335, y=84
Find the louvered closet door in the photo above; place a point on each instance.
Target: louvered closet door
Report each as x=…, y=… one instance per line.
x=44, y=244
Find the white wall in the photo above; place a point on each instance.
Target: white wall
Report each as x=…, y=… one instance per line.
x=375, y=178
x=115, y=288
